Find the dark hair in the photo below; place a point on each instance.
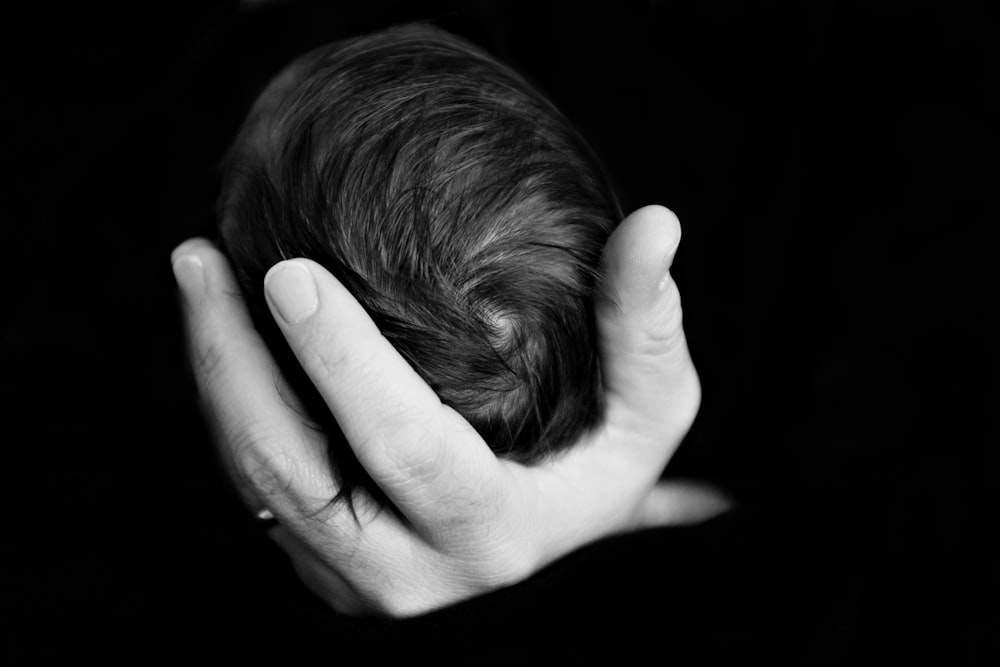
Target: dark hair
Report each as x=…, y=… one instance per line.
x=457, y=205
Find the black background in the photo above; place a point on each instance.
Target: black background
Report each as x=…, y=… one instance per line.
x=834, y=166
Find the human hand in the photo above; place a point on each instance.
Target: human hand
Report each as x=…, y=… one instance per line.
x=469, y=522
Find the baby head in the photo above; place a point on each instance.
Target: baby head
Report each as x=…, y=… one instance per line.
x=456, y=204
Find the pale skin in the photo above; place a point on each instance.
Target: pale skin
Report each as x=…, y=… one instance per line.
x=473, y=522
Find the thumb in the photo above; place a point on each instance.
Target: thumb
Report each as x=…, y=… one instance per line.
x=649, y=379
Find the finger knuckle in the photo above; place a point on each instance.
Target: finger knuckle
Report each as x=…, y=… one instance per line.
x=206, y=359
x=267, y=472
x=664, y=337
x=404, y=443
x=332, y=355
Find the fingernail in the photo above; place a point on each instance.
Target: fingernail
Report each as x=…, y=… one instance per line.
x=187, y=246
x=190, y=275
x=292, y=290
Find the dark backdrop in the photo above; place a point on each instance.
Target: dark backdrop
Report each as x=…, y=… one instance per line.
x=834, y=168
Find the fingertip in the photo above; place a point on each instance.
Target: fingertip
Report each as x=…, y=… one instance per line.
x=208, y=287
x=191, y=246
x=656, y=232
x=292, y=291
x=683, y=502
x=296, y=264
x=189, y=272
x=639, y=255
